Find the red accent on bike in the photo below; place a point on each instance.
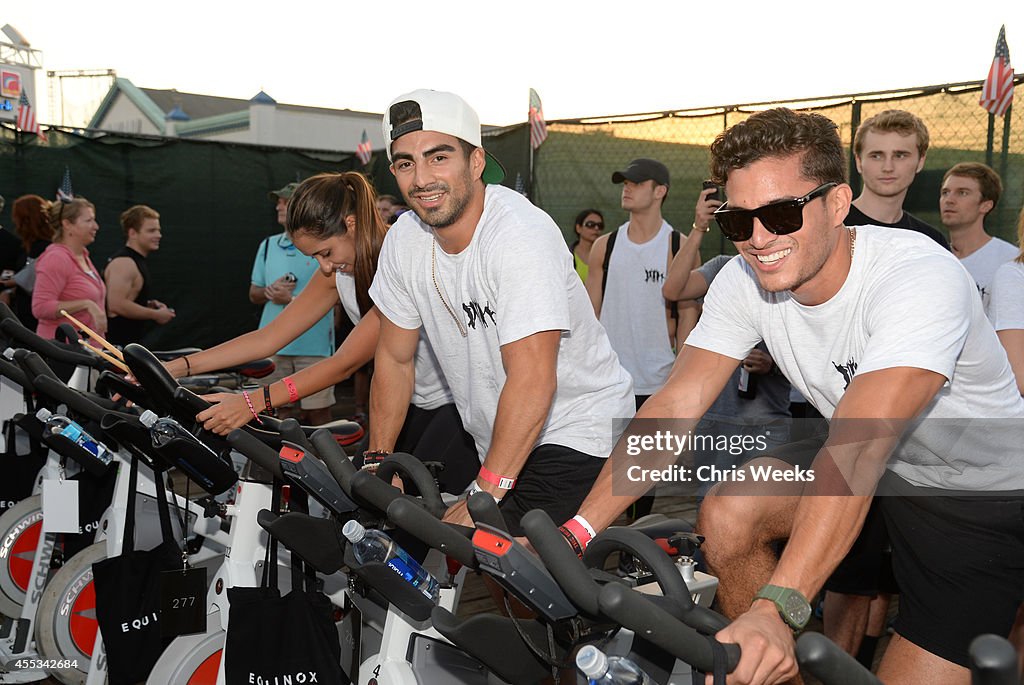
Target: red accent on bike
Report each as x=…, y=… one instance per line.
x=206, y=674
x=489, y=542
x=291, y=454
x=453, y=565
x=669, y=549
x=23, y=554
x=82, y=623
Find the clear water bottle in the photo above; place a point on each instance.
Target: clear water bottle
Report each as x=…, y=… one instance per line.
x=601, y=669
x=374, y=545
x=59, y=424
x=163, y=430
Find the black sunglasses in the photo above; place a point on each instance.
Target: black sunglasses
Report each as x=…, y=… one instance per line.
x=781, y=218
x=593, y=224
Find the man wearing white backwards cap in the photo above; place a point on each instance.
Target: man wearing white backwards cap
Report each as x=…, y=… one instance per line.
x=487, y=277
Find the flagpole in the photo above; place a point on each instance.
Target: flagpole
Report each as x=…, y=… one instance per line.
x=529, y=144
x=1005, y=148
x=991, y=138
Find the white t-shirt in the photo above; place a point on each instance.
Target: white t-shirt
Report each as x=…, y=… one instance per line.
x=430, y=391
x=1007, y=304
x=513, y=280
x=633, y=308
x=905, y=302
x=983, y=263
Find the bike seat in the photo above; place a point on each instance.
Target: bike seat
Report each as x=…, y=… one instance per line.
x=657, y=526
x=257, y=368
x=168, y=355
x=345, y=432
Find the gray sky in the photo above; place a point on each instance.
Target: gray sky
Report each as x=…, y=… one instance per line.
x=584, y=58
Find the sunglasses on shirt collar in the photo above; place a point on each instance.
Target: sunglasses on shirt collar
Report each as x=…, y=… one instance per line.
x=781, y=218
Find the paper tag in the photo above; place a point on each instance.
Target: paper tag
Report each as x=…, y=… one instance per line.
x=182, y=602
x=60, y=506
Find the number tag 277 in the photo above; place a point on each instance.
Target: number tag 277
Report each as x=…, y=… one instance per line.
x=182, y=602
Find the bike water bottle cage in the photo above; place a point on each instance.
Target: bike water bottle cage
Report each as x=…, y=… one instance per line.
x=311, y=474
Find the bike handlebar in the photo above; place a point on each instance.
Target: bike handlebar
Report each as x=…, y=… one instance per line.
x=828, y=663
x=255, y=449
x=635, y=611
x=48, y=348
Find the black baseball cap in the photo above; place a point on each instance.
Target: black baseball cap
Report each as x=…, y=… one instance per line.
x=643, y=169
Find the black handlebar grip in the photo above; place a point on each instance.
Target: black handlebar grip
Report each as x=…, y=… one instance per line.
x=13, y=372
x=642, y=547
x=293, y=432
x=412, y=471
x=368, y=488
x=823, y=659
x=993, y=661
x=563, y=564
x=33, y=364
x=340, y=466
x=441, y=536
x=6, y=313
x=252, y=448
x=53, y=388
x=483, y=509
x=632, y=610
x=48, y=348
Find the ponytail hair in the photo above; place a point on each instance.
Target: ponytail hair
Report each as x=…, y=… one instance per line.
x=319, y=208
x=30, y=214
x=69, y=210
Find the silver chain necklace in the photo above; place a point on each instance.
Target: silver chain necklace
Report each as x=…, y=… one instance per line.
x=433, y=275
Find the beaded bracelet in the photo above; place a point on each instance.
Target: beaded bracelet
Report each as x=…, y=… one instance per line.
x=252, y=409
x=293, y=393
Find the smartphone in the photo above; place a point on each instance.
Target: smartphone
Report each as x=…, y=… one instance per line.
x=717, y=195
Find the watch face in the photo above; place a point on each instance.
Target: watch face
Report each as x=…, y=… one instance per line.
x=798, y=610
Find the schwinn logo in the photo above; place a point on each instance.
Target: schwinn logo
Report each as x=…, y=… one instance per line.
x=71, y=596
x=12, y=537
x=39, y=582
x=286, y=679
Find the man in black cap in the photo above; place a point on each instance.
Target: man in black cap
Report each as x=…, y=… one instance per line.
x=627, y=270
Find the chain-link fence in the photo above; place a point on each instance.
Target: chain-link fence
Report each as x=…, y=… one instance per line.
x=573, y=168
x=212, y=196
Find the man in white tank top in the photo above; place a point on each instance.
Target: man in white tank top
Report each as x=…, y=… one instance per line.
x=627, y=299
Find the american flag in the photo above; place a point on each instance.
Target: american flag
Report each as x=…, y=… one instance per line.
x=364, y=149
x=27, y=117
x=64, y=191
x=997, y=93
x=538, y=129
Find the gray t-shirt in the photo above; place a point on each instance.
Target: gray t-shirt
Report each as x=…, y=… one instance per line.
x=772, y=398
x=513, y=280
x=905, y=303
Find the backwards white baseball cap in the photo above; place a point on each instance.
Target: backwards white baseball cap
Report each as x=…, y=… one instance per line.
x=434, y=110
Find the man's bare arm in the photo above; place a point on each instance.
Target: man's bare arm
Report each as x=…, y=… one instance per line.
x=595, y=273
x=394, y=376
x=695, y=382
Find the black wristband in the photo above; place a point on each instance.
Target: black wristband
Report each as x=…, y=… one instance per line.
x=266, y=400
x=571, y=539
x=374, y=457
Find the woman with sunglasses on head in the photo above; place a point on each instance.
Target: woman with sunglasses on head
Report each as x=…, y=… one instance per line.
x=66, y=279
x=589, y=224
x=333, y=217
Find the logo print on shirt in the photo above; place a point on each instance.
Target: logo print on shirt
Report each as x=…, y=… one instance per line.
x=474, y=313
x=847, y=371
x=653, y=275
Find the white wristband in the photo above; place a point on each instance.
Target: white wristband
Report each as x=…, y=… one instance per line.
x=586, y=525
x=474, y=488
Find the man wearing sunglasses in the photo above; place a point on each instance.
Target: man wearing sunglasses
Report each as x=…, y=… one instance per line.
x=923, y=411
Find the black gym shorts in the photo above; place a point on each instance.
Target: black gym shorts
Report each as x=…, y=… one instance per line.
x=959, y=561
x=556, y=479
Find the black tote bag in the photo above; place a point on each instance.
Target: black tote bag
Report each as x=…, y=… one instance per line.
x=128, y=594
x=271, y=637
